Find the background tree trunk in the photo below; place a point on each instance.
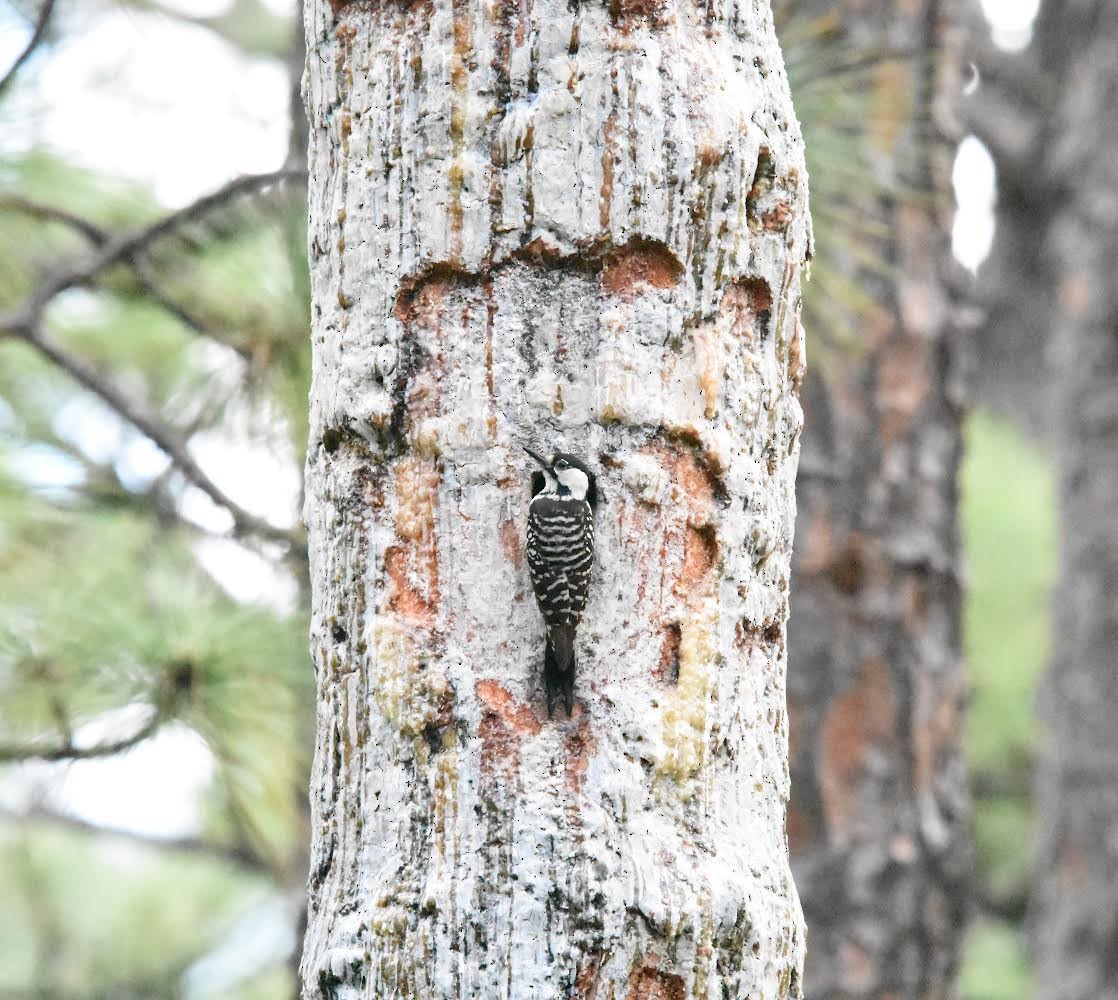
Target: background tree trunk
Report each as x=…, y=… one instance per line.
x=1075, y=925
x=564, y=225
x=878, y=820
x=578, y=226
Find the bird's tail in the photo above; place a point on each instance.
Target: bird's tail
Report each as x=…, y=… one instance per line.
x=559, y=666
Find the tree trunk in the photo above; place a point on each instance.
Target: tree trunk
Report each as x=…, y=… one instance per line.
x=577, y=227
x=879, y=814
x=1075, y=925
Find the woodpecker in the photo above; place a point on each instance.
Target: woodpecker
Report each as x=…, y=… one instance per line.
x=560, y=549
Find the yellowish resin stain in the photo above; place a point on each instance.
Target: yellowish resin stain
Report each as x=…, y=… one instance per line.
x=685, y=716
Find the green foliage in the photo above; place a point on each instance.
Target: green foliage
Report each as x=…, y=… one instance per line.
x=104, y=600
x=78, y=913
x=1003, y=826
x=31, y=244
x=1010, y=541
x=996, y=963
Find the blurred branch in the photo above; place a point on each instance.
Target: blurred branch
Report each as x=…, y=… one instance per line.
x=48, y=213
x=37, y=35
x=159, y=433
x=150, y=286
x=146, y=279
x=124, y=249
x=240, y=855
x=26, y=325
x=858, y=63
x=67, y=751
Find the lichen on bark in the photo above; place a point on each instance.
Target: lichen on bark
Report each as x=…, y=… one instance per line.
x=577, y=227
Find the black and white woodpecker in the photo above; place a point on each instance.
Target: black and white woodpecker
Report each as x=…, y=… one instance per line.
x=560, y=559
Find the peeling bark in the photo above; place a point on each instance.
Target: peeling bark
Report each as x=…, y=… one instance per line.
x=879, y=811
x=578, y=227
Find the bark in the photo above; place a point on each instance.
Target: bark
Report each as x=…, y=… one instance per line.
x=1075, y=920
x=878, y=819
x=577, y=227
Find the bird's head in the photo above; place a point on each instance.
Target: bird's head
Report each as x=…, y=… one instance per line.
x=565, y=475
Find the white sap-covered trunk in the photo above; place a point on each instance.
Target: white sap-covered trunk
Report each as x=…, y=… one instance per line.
x=581, y=227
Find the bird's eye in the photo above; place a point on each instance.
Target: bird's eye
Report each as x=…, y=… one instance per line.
x=561, y=464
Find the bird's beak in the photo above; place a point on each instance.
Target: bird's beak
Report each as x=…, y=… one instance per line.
x=543, y=461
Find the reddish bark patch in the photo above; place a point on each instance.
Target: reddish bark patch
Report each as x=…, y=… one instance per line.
x=769, y=632
x=412, y=566
x=511, y=543
x=700, y=554
x=1073, y=867
x=848, y=568
x=917, y=601
x=710, y=156
x=578, y=749
x=640, y=262
x=504, y=724
x=743, y=303
x=500, y=746
x=904, y=381
x=763, y=180
x=586, y=981
x=405, y=598
x=935, y=727
x=625, y=13
x=1076, y=294
x=419, y=8
x=668, y=669
x=649, y=983
x=697, y=484
x=522, y=21
x=778, y=218
x=367, y=487
x=801, y=832
x=605, y=196
x=421, y=296
x=815, y=544
x=860, y=718
x=797, y=363
x=678, y=540
x=859, y=969
x=543, y=253
x=498, y=701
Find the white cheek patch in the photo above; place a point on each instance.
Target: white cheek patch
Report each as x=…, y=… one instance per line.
x=574, y=480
